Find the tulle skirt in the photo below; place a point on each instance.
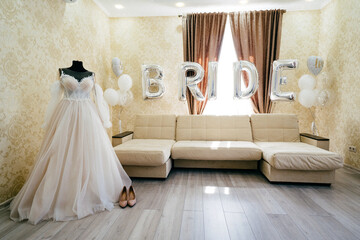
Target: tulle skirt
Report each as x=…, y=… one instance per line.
x=77, y=172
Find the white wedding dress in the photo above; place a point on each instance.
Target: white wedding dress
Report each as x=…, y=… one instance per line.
x=77, y=172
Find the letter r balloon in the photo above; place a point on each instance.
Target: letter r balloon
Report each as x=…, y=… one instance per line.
x=190, y=82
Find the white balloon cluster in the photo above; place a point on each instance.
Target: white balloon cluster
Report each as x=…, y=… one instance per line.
x=309, y=96
x=122, y=96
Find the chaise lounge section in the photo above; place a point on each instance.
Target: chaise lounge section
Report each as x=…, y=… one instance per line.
x=285, y=158
x=147, y=153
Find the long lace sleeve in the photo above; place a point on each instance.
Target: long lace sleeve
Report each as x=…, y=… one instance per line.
x=56, y=95
x=102, y=106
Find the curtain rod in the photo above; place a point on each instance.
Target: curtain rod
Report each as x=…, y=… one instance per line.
x=182, y=15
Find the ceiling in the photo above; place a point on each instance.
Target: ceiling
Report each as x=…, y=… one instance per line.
x=146, y=8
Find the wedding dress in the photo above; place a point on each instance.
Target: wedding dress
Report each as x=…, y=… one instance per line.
x=77, y=172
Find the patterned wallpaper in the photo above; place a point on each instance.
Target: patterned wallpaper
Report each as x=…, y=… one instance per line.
x=340, y=48
x=147, y=40
x=36, y=38
x=299, y=40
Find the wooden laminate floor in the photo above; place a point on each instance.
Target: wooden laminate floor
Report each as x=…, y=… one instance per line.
x=216, y=204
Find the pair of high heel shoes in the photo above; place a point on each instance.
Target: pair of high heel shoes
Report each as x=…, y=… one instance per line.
x=127, y=197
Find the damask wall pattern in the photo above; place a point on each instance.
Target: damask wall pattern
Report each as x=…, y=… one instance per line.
x=340, y=48
x=36, y=38
x=299, y=40
x=147, y=40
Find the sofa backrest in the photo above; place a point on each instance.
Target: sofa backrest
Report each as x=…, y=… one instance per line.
x=155, y=127
x=275, y=128
x=213, y=128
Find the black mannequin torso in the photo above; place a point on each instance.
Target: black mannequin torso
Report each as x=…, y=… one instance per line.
x=76, y=70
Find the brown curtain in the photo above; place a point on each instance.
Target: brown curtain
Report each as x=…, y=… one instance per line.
x=256, y=37
x=202, y=37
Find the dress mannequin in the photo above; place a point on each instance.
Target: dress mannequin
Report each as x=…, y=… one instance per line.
x=77, y=172
x=76, y=70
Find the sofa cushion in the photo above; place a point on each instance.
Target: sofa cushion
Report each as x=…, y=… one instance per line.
x=215, y=150
x=275, y=128
x=144, y=152
x=155, y=127
x=213, y=128
x=299, y=156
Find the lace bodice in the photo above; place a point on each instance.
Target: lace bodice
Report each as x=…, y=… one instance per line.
x=68, y=88
x=74, y=89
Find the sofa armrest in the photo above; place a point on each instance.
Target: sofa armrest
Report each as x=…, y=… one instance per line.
x=121, y=138
x=315, y=140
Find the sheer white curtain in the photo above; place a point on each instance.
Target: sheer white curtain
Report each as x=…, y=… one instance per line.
x=225, y=103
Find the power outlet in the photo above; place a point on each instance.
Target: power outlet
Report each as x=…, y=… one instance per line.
x=352, y=149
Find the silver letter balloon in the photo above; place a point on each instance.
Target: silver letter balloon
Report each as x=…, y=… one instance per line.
x=253, y=85
x=212, y=80
x=277, y=80
x=191, y=81
x=149, y=82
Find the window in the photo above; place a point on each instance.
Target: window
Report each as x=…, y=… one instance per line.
x=225, y=104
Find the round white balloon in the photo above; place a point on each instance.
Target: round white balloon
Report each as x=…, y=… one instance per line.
x=111, y=96
x=316, y=92
x=323, y=97
x=125, y=82
x=130, y=97
x=307, y=82
x=307, y=98
x=122, y=97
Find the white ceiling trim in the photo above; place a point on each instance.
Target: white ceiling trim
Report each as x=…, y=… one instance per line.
x=151, y=8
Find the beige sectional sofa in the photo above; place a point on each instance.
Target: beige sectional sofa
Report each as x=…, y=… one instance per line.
x=270, y=142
